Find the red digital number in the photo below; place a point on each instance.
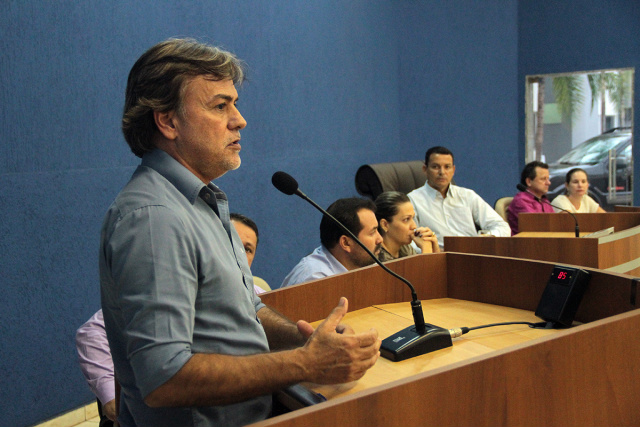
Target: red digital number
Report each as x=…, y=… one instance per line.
x=562, y=275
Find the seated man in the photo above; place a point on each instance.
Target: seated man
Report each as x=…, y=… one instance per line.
x=535, y=177
x=94, y=355
x=248, y=232
x=449, y=210
x=340, y=253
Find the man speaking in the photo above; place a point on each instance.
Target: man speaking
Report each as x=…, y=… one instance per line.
x=189, y=337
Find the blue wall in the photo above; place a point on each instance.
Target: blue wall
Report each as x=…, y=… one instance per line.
x=458, y=63
x=333, y=85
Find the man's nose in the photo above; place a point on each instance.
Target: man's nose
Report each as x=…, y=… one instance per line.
x=237, y=121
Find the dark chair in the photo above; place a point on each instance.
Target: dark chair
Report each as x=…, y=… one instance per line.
x=371, y=180
x=294, y=397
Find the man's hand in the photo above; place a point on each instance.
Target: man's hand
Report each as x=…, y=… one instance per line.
x=109, y=409
x=306, y=330
x=334, y=353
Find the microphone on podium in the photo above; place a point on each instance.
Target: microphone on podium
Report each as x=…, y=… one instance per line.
x=418, y=339
x=521, y=187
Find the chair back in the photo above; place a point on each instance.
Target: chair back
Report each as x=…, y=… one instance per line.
x=373, y=179
x=501, y=206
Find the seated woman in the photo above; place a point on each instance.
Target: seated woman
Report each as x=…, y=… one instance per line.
x=577, y=199
x=398, y=229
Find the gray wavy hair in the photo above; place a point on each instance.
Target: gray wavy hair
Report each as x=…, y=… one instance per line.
x=158, y=79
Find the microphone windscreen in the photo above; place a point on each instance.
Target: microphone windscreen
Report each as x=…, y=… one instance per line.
x=284, y=182
x=521, y=187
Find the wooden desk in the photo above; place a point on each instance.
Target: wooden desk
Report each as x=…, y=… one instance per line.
x=447, y=313
x=619, y=208
x=588, y=222
x=584, y=376
x=549, y=234
x=618, y=252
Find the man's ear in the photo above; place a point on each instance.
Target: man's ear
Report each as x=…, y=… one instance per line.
x=528, y=182
x=165, y=123
x=345, y=243
x=424, y=168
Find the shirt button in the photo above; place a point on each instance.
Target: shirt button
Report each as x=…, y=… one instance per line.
x=207, y=196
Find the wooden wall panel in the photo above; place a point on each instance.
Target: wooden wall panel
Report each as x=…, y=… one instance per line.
x=587, y=222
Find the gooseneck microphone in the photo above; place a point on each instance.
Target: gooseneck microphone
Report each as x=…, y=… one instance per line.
x=289, y=186
x=413, y=341
x=521, y=187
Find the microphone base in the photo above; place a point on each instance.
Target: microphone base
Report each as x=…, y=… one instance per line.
x=409, y=343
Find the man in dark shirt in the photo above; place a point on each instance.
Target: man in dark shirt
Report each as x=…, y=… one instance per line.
x=535, y=178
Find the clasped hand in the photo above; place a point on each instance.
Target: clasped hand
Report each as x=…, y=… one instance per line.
x=425, y=239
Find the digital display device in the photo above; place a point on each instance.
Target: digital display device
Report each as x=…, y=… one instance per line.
x=562, y=295
x=562, y=276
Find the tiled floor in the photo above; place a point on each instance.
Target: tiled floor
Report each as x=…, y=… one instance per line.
x=86, y=416
x=94, y=422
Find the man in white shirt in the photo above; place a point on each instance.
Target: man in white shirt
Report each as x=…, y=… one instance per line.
x=450, y=210
x=338, y=252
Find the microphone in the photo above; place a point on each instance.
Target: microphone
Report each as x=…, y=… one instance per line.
x=421, y=338
x=521, y=187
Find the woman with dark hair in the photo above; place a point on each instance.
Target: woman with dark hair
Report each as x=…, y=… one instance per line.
x=577, y=199
x=398, y=229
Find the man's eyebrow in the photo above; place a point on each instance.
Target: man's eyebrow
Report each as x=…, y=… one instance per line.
x=225, y=97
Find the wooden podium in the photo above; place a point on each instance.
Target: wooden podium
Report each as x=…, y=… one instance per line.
x=586, y=375
x=619, y=208
x=591, y=222
x=550, y=237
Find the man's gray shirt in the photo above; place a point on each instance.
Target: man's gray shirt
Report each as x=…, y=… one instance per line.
x=175, y=281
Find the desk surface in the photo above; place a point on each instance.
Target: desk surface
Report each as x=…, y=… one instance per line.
x=447, y=313
x=550, y=234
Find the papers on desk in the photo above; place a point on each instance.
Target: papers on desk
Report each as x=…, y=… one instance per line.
x=600, y=233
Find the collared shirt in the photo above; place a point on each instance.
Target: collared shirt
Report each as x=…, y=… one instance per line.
x=175, y=281
x=457, y=214
x=320, y=263
x=94, y=358
x=525, y=202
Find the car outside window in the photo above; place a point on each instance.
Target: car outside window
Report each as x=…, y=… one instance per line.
x=593, y=151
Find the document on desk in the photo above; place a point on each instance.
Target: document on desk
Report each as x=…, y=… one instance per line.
x=600, y=233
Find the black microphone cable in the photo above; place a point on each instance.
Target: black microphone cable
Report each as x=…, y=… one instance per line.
x=456, y=332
